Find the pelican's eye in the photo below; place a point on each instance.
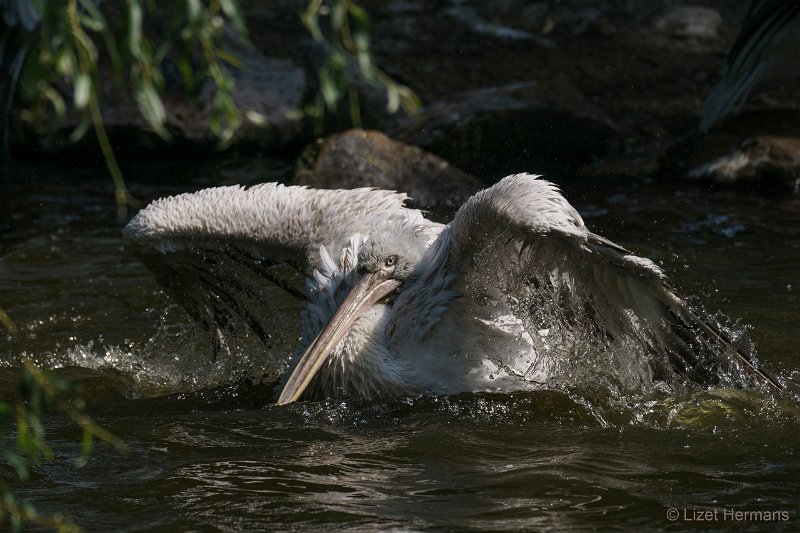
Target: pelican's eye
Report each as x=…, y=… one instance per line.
x=391, y=261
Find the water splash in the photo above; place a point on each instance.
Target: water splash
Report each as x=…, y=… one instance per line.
x=177, y=358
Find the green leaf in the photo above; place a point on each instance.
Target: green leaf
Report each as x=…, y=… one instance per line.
x=135, y=28
x=365, y=63
x=55, y=99
x=361, y=40
x=392, y=97
x=86, y=445
x=225, y=117
x=311, y=22
x=84, y=125
x=258, y=119
x=338, y=58
x=229, y=58
x=8, y=323
x=88, y=45
x=151, y=106
x=65, y=63
x=234, y=13
x=338, y=15
x=83, y=90
x=18, y=463
x=194, y=11
x=330, y=92
x=93, y=19
x=410, y=102
x=310, y=19
x=359, y=14
x=187, y=71
x=92, y=23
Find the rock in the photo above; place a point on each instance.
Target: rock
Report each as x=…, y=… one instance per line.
x=534, y=16
x=692, y=24
x=469, y=16
x=359, y=158
x=530, y=126
x=265, y=89
x=761, y=159
x=541, y=19
x=372, y=99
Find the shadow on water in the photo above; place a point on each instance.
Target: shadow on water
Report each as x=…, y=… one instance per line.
x=208, y=447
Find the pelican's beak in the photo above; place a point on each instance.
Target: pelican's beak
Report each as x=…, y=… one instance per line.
x=369, y=290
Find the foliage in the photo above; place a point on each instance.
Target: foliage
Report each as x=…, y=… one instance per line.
x=8, y=323
x=62, y=56
x=41, y=391
x=58, y=52
x=349, y=56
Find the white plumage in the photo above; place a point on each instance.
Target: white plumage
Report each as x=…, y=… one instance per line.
x=514, y=293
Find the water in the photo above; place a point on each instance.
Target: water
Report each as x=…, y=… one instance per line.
x=209, y=450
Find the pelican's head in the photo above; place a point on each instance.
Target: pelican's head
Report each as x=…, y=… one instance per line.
x=393, y=250
x=386, y=260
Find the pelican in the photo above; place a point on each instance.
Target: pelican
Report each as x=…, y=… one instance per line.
x=767, y=47
x=513, y=291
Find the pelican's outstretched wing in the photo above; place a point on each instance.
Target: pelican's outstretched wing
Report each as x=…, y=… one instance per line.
x=217, y=250
x=770, y=34
x=522, y=260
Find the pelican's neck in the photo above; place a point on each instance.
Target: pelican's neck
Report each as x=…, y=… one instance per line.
x=361, y=365
x=328, y=286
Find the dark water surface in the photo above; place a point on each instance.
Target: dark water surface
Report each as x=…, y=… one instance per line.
x=210, y=451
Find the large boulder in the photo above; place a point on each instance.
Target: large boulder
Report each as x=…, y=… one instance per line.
x=693, y=27
x=530, y=126
x=359, y=158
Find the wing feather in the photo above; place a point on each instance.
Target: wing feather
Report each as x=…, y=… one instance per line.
x=269, y=220
x=523, y=238
x=221, y=251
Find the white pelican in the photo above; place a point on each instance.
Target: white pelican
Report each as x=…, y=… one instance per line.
x=768, y=46
x=513, y=291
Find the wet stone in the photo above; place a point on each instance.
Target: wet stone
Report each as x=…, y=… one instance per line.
x=266, y=89
x=762, y=159
x=359, y=158
x=529, y=126
x=689, y=23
